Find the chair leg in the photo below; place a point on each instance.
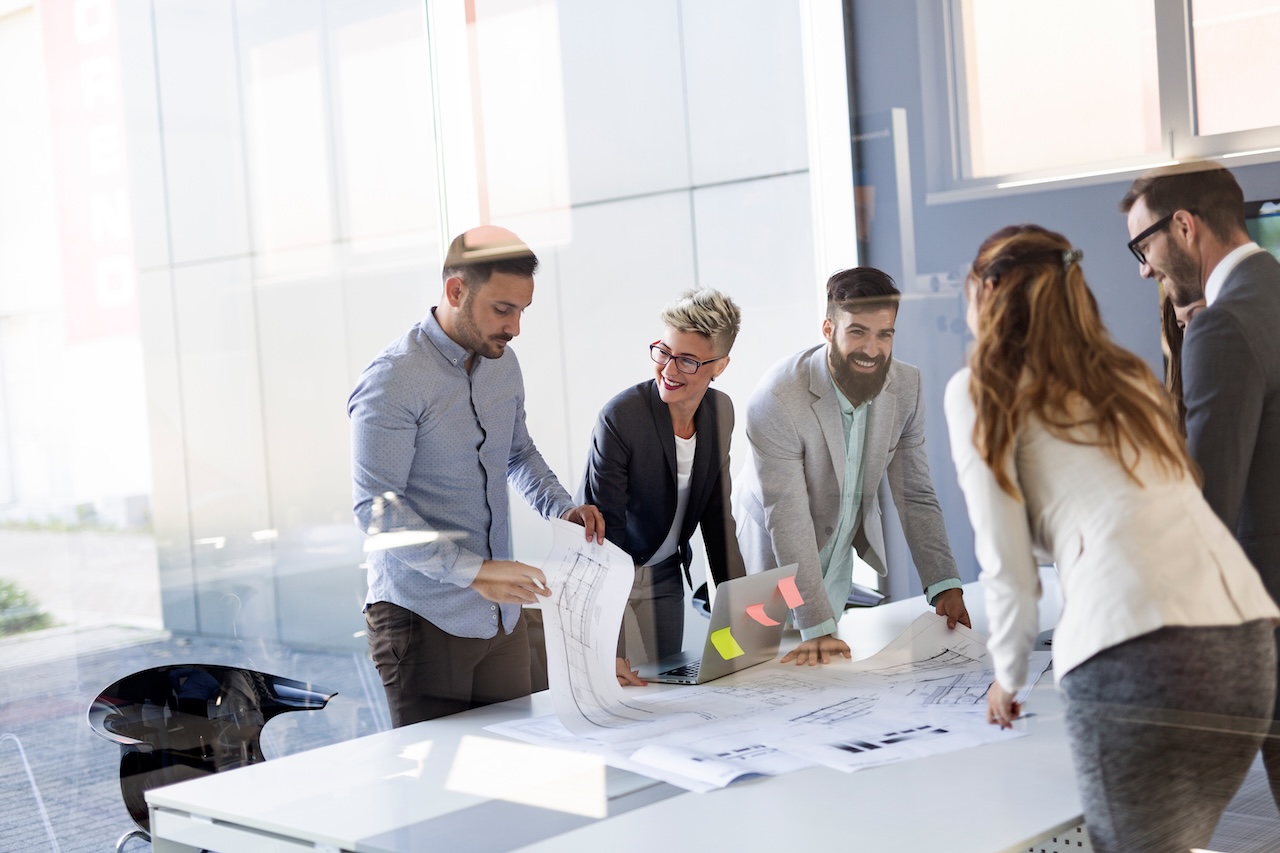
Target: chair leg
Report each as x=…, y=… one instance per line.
x=129, y=836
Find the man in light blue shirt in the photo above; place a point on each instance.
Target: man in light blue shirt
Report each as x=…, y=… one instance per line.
x=825, y=426
x=437, y=433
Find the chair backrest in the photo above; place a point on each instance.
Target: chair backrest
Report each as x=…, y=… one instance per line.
x=184, y=721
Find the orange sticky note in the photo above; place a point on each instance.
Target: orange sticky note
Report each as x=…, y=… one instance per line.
x=756, y=612
x=791, y=595
x=725, y=644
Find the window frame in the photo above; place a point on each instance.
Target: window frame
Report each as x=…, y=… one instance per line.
x=942, y=49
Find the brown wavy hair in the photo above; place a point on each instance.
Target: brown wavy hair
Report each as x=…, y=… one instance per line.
x=1043, y=351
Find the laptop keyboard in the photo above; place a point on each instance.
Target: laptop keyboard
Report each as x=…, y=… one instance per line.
x=689, y=669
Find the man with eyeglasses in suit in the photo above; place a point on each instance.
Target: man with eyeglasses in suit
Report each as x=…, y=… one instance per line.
x=1187, y=230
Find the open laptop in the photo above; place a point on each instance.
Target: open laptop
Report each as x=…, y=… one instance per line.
x=746, y=633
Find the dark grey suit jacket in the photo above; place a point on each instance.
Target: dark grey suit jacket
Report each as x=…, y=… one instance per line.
x=1231, y=384
x=631, y=477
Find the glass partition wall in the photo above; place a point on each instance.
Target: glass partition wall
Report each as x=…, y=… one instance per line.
x=214, y=214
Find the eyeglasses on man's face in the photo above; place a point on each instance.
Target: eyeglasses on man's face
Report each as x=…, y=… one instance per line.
x=684, y=363
x=1135, y=245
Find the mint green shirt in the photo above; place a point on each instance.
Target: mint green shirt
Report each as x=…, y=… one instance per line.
x=836, y=557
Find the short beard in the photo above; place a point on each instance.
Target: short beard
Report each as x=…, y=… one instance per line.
x=857, y=387
x=469, y=331
x=1183, y=279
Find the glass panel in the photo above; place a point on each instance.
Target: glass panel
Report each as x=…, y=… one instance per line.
x=1056, y=85
x=521, y=155
x=1236, y=64
x=286, y=136
x=386, y=147
x=174, y=448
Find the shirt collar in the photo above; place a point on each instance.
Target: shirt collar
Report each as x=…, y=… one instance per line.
x=1218, y=277
x=847, y=408
x=448, y=347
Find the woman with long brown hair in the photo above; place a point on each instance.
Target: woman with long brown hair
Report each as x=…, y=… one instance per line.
x=1067, y=450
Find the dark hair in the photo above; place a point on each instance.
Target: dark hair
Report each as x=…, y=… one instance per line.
x=1171, y=336
x=1205, y=189
x=476, y=265
x=861, y=289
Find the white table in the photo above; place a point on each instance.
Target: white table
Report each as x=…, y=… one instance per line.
x=387, y=793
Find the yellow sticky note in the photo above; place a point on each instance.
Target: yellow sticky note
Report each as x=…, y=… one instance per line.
x=790, y=594
x=756, y=612
x=725, y=644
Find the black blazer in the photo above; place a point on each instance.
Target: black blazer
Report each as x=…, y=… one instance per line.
x=631, y=477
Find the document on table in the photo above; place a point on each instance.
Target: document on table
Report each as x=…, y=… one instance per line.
x=589, y=586
x=921, y=695
x=927, y=646
x=869, y=741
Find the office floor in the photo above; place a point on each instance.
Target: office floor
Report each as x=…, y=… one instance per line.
x=46, y=686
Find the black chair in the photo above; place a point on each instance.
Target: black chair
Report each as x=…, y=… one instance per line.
x=185, y=721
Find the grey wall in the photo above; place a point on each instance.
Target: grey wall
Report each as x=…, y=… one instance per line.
x=886, y=63
x=688, y=166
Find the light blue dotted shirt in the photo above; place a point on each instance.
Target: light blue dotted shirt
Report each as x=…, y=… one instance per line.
x=445, y=443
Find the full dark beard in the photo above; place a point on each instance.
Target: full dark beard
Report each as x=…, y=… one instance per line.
x=857, y=386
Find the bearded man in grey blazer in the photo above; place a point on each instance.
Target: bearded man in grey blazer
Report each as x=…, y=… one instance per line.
x=1188, y=232
x=825, y=426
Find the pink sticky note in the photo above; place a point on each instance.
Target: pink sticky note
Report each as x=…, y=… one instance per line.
x=791, y=595
x=756, y=612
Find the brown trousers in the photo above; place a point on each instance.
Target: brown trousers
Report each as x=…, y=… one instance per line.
x=429, y=673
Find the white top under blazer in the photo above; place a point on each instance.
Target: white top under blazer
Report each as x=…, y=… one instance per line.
x=1131, y=558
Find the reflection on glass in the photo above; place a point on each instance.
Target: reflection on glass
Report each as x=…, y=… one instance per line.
x=570, y=782
x=386, y=142
x=1236, y=64
x=518, y=94
x=1052, y=85
x=417, y=753
x=288, y=155
x=174, y=723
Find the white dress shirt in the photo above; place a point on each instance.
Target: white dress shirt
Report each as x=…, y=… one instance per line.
x=1217, y=278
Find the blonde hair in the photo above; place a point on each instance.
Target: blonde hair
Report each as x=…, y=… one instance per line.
x=707, y=312
x=1043, y=351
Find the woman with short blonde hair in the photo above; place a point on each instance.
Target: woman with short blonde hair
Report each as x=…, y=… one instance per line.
x=658, y=467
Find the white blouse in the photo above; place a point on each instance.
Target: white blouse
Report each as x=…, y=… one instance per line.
x=1131, y=558
x=685, y=450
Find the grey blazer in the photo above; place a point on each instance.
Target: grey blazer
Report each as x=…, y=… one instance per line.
x=1231, y=384
x=787, y=501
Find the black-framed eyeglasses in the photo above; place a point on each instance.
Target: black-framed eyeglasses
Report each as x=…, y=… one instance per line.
x=684, y=363
x=1135, y=245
